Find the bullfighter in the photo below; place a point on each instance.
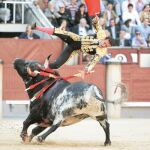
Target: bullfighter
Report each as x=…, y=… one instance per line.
x=96, y=46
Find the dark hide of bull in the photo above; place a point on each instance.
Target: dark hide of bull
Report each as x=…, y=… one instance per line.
x=63, y=104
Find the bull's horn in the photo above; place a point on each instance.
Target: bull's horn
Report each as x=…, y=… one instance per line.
x=46, y=63
x=31, y=73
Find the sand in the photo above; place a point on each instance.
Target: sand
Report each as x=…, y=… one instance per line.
x=126, y=134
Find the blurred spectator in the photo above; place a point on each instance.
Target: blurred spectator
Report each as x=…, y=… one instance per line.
x=129, y=27
x=43, y=4
x=4, y=13
x=81, y=13
x=124, y=39
x=57, y=3
x=114, y=29
x=117, y=5
x=102, y=22
x=82, y=28
x=145, y=28
x=145, y=13
x=111, y=1
x=63, y=14
x=139, y=5
x=131, y=14
x=110, y=14
x=28, y=34
x=125, y=4
x=73, y=7
x=138, y=40
x=121, y=1
x=51, y=14
x=36, y=3
x=64, y=25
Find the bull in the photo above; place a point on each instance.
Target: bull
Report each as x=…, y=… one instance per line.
x=61, y=105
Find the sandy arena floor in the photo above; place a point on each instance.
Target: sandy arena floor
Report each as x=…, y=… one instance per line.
x=126, y=134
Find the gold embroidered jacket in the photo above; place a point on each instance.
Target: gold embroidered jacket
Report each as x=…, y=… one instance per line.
x=89, y=43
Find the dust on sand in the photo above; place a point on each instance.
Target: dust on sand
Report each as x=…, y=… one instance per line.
x=126, y=134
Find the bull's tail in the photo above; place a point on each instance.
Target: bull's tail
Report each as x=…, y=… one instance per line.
x=124, y=93
x=120, y=100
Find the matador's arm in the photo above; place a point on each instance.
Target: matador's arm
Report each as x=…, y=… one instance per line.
x=95, y=23
x=92, y=63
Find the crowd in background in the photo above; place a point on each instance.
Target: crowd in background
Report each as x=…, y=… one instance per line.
x=127, y=22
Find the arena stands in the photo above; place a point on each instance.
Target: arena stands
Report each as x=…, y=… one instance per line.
x=129, y=16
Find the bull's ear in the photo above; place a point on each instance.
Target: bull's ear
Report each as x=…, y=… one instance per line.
x=46, y=63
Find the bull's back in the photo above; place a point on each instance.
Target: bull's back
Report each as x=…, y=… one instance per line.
x=79, y=98
x=78, y=87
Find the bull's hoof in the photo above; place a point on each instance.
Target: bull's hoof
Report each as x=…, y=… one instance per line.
x=107, y=143
x=23, y=136
x=40, y=139
x=30, y=137
x=27, y=140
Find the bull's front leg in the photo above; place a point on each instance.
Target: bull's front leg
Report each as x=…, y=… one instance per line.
x=36, y=131
x=52, y=129
x=26, y=124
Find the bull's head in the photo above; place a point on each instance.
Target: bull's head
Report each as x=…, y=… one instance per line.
x=26, y=68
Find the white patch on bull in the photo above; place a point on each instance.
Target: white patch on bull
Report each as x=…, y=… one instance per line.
x=72, y=120
x=71, y=103
x=67, y=100
x=58, y=118
x=58, y=101
x=93, y=108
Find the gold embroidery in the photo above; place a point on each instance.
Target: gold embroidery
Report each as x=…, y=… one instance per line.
x=101, y=34
x=74, y=36
x=88, y=43
x=93, y=62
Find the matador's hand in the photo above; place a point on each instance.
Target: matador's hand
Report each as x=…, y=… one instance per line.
x=82, y=73
x=95, y=19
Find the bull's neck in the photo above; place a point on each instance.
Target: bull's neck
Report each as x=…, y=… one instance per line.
x=32, y=92
x=34, y=80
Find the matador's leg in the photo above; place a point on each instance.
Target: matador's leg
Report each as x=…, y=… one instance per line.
x=64, y=56
x=66, y=36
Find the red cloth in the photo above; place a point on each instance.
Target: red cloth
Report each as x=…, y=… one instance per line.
x=93, y=7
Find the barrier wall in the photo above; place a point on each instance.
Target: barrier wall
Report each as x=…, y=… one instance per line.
x=13, y=87
x=136, y=78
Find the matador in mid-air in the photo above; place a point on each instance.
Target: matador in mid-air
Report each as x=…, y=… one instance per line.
x=93, y=45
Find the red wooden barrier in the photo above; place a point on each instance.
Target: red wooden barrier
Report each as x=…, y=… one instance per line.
x=136, y=78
